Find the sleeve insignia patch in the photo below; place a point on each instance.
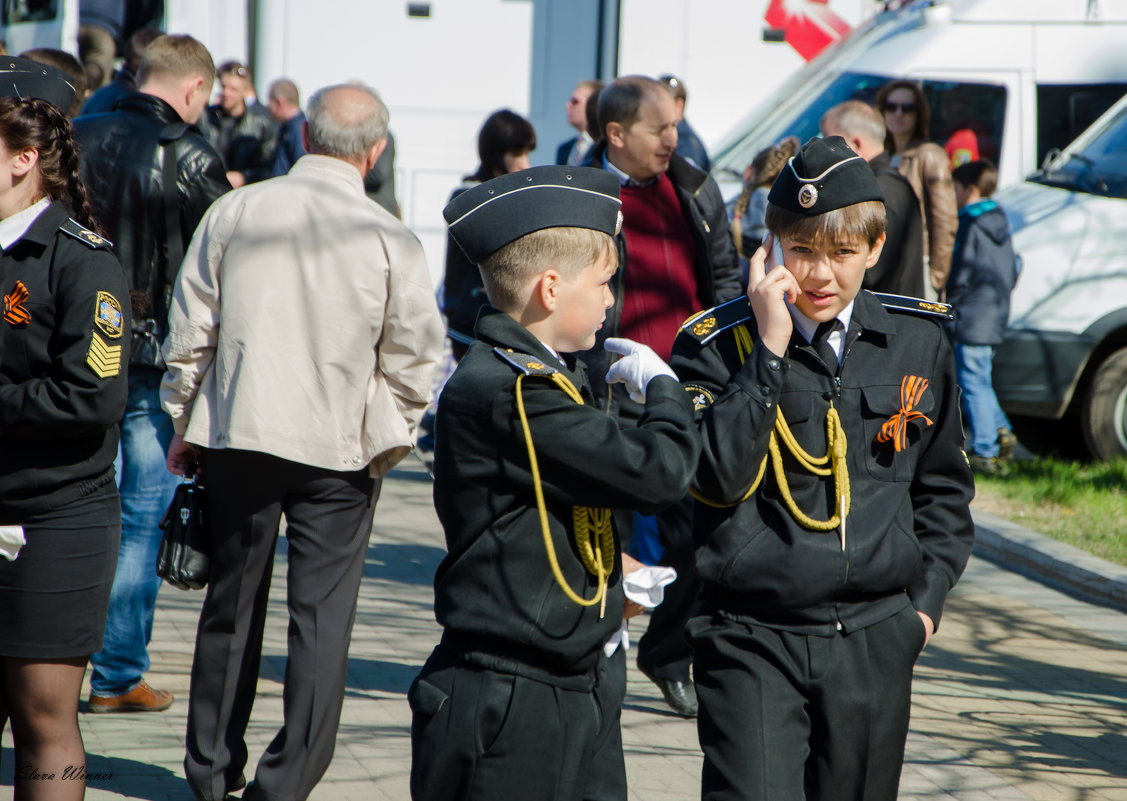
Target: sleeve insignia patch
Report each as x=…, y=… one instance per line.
x=104, y=359
x=702, y=398
x=108, y=316
x=15, y=312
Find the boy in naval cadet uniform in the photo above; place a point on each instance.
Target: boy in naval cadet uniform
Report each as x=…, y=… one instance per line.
x=517, y=700
x=833, y=515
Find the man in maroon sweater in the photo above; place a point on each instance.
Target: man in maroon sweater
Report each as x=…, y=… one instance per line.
x=675, y=257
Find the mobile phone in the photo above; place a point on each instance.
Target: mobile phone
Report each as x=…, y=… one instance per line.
x=776, y=257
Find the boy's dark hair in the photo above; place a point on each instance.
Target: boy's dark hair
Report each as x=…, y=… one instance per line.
x=866, y=220
x=502, y=132
x=981, y=174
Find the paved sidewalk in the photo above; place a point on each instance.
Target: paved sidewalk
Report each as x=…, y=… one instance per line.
x=1022, y=694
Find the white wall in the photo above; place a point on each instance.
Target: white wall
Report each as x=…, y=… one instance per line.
x=440, y=76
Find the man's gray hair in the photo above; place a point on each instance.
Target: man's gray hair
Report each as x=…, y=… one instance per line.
x=856, y=118
x=345, y=120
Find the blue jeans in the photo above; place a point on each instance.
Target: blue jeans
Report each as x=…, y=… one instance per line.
x=974, y=366
x=146, y=490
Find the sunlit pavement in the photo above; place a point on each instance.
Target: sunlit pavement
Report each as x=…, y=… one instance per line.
x=1021, y=695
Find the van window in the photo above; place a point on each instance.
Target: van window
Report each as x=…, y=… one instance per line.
x=976, y=110
x=1063, y=112
x=16, y=11
x=1095, y=164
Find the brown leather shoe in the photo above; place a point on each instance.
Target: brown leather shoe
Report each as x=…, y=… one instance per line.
x=141, y=698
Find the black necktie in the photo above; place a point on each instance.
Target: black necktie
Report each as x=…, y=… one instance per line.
x=821, y=343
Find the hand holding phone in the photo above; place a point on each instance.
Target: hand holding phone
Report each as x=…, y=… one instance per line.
x=769, y=288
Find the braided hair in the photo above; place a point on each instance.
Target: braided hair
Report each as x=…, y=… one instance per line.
x=765, y=168
x=32, y=123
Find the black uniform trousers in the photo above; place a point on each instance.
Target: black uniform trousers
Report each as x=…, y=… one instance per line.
x=795, y=716
x=482, y=735
x=664, y=651
x=328, y=522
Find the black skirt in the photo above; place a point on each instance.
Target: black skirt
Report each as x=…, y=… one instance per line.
x=54, y=596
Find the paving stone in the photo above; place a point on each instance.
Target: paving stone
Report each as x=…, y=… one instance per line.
x=1021, y=696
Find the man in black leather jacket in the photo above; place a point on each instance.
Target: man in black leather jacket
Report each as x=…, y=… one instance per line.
x=242, y=133
x=150, y=171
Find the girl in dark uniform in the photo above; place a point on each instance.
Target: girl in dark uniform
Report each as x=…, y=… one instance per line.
x=63, y=352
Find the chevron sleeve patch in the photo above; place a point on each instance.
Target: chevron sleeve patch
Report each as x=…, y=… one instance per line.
x=104, y=359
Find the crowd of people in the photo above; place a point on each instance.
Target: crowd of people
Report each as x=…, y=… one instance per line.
x=168, y=263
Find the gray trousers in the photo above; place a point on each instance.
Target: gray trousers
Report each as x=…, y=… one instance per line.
x=329, y=519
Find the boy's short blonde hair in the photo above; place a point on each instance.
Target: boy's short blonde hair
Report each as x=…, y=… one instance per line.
x=508, y=272
x=866, y=220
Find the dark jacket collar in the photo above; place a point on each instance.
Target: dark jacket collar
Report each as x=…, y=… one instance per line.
x=497, y=329
x=150, y=106
x=42, y=231
x=684, y=175
x=870, y=315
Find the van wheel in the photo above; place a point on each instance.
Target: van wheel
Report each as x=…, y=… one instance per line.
x=1104, y=418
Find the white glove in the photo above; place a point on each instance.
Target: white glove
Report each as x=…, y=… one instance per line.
x=638, y=366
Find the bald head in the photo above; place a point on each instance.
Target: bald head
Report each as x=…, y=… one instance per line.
x=859, y=124
x=346, y=121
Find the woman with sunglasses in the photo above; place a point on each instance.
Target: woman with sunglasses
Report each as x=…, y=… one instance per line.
x=907, y=118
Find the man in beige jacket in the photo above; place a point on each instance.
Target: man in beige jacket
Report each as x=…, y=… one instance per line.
x=303, y=338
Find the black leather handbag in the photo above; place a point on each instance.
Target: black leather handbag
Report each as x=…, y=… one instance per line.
x=182, y=559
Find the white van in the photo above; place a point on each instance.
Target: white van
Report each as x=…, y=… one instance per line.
x=1065, y=353
x=1026, y=77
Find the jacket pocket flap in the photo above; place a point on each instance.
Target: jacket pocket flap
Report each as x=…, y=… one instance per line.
x=885, y=401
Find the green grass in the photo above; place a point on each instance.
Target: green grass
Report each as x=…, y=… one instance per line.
x=1084, y=505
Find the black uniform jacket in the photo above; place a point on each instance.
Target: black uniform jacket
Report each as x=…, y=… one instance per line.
x=908, y=529
x=494, y=592
x=62, y=365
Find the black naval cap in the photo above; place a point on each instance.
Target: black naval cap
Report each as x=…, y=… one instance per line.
x=489, y=216
x=824, y=175
x=24, y=78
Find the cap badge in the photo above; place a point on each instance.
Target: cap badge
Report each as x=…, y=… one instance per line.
x=807, y=195
x=618, y=224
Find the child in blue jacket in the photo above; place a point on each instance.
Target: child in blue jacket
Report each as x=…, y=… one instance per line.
x=983, y=273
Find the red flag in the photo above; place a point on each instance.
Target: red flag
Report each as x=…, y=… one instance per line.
x=809, y=25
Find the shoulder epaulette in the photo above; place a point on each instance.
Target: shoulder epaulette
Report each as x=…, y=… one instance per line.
x=85, y=235
x=926, y=308
x=529, y=365
x=705, y=325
